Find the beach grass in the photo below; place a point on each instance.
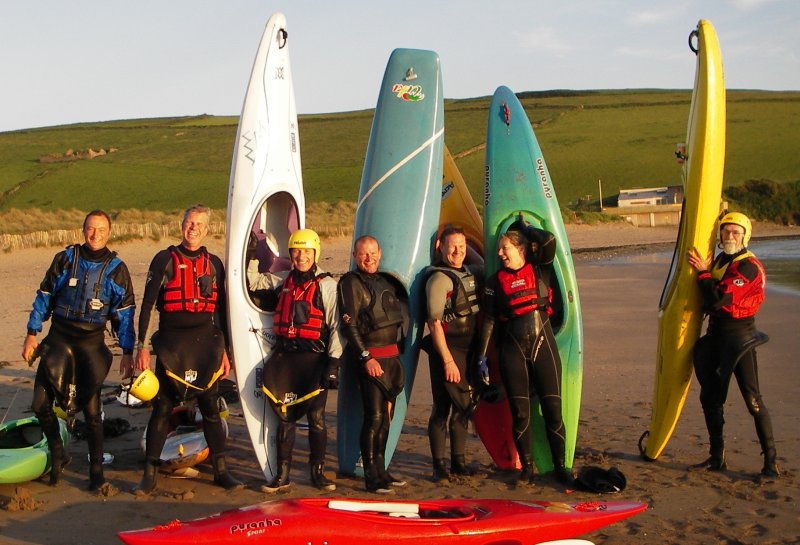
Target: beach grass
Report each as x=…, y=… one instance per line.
x=620, y=139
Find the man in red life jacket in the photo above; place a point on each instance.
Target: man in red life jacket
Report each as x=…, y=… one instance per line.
x=187, y=285
x=732, y=287
x=305, y=362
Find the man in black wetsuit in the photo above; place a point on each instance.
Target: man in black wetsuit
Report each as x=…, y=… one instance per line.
x=187, y=285
x=85, y=286
x=732, y=287
x=372, y=316
x=305, y=362
x=452, y=304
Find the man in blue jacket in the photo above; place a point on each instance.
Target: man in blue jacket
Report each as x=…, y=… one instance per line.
x=86, y=286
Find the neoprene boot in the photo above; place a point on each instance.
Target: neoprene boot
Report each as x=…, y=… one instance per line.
x=96, y=477
x=770, y=469
x=716, y=459
x=767, y=440
x=440, y=473
x=563, y=475
x=149, y=478
x=281, y=480
x=373, y=481
x=526, y=473
x=387, y=478
x=58, y=461
x=459, y=466
x=223, y=477
x=318, y=478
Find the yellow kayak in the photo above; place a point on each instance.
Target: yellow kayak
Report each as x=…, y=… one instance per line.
x=680, y=317
x=458, y=208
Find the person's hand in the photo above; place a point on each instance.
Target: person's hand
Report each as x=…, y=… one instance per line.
x=451, y=372
x=330, y=379
x=698, y=262
x=143, y=359
x=29, y=346
x=483, y=369
x=126, y=366
x=225, y=365
x=373, y=368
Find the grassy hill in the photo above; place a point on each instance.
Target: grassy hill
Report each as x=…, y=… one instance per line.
x=624, y=138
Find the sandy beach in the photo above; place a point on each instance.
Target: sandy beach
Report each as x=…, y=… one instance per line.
x=619, y=298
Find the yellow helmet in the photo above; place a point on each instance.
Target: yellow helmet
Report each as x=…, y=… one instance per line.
x=145, y=386
x=737, y=218
x=305, y=238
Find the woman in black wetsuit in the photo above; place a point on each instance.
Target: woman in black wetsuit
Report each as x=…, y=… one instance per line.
x=518, y=299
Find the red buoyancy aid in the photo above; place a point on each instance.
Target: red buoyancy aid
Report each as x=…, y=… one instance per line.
x=523, y=292
x=746, y=295
x=193, y=286
x=304, y=321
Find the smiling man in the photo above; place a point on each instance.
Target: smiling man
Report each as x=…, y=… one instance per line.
x=75, y=359
x=187, y=285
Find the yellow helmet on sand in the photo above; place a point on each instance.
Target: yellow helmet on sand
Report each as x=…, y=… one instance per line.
x=737, y=218
x=305, y=238
x=145, y=386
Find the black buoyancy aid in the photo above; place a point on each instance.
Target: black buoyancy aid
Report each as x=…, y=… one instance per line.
x=745, y=296
x=463, y=299
x=300, y=311
x=193, y=286
x=384, y=309
x=524, y=291
x=82, y=298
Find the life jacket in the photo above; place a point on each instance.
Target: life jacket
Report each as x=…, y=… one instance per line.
x=524, y=291
x=193, y=286
x=384, y=309
x=83, y=299
x=746, y=296
x=300, y=312
x=463, y=299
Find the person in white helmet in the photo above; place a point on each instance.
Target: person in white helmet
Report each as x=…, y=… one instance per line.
x=732, y=287
x=305, y=362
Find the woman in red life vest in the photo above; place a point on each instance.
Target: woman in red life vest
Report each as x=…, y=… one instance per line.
x=732, y=287
x=305, y=362
x=517, y=303
x=187, y=286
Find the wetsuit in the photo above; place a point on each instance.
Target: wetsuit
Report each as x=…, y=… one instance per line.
x=519, y=303
x=452, y=300
x=297, y=375
x=188, y=289
x=732, y=292
x=81, y=296
x=372, y=316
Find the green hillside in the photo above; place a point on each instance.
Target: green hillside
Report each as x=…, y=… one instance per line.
x=624, y=138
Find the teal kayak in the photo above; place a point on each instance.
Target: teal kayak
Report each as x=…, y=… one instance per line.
x=518, y=185
x=398, y=204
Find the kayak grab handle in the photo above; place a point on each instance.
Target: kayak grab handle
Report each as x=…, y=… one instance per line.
x=695, y=48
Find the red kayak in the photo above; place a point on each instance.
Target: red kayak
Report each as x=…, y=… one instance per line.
x=356, y=522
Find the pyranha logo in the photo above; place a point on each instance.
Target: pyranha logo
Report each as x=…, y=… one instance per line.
x=447, y=189
x=409, y=93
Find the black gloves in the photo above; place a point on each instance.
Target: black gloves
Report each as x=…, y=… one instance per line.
x=330, y=379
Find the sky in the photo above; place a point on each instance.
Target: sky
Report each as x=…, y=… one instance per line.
x=85, y=60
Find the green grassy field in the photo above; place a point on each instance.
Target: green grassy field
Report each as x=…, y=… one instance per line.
x=624, y=138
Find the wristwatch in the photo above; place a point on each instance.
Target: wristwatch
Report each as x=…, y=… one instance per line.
x=365, y=356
